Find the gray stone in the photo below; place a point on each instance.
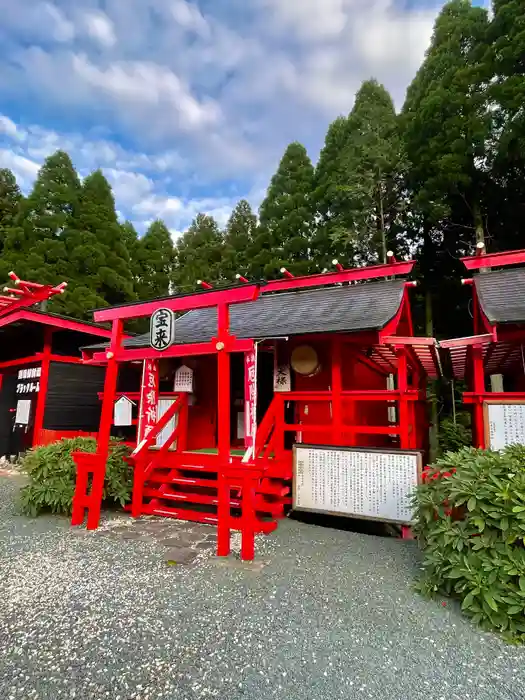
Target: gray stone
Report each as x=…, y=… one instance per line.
x=179, y=555
x=205, y=545
x=120, y=529
x=202, y=529
x=182, y=541
x=131, y=535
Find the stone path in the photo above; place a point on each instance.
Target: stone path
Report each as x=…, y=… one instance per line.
x=322, y=614
x=184, y=543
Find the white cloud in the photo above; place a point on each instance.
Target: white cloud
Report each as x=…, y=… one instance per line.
x=9, y=128
x=189, y=17
x=25, y=170
x=101, y=28
x=47, y=21
x=142, y=84
x=309, y=19
x=62, y=29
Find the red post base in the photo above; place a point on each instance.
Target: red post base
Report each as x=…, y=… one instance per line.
x=406, y=533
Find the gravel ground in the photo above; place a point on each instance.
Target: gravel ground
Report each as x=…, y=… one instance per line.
x=322, y=614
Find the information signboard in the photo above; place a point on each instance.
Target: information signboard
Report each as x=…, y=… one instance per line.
x=504, y=423
x=356, y=482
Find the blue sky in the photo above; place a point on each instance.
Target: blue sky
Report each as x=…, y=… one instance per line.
x=188, y=105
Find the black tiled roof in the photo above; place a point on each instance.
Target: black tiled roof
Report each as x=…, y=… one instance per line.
x=367, y=306
x=501, y=294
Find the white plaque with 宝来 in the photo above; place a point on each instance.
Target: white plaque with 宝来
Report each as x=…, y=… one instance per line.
x=359, y=483
x=162, y=329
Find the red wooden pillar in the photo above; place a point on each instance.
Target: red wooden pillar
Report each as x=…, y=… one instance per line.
x=223, y=430
x=44, y=380
x=106, y=421
x=478, y=388
x=404, y=412
x=337, y=388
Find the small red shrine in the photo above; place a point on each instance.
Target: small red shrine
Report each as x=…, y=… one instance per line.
x=492, y=360
x=228, y=380
x=46, y=392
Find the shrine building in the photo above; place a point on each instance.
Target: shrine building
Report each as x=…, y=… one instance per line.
x=491, y=361
x=46, y=392
x=230, y=382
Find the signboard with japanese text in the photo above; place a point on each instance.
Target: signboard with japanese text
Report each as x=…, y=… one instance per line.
x=162, y=329
x=183, y=380
x=28, y=380
x=504, y=423
x=149, y=396
x=250, y=396
x=360, y=483
x=282, y=380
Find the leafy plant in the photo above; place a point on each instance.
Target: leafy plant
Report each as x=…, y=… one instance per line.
x=52, y=474
x=453, y=435
x=470, y=521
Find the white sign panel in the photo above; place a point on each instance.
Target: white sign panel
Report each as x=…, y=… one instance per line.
x=505, y=424
x=122, y=414
x=162, y=329
x=359, y=483
x=23, y=411
x=168, y=429
x=183, y=380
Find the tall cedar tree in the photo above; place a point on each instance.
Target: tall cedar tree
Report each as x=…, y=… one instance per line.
x=155, y=262
x=446, y=125
x=198, y=254
x=329, y=198
x=35, y=249
x=239, y=237
x=100, y=263
x=130, y=238
x=10, y=201
x=286, y=217
x=506, y=56
x=372, y=164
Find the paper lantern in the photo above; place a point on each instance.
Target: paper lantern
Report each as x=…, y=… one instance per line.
x=305, y=361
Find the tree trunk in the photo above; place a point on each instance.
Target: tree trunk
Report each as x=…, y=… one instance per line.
x=478, y=223
x=432, y=386
x=382, y=221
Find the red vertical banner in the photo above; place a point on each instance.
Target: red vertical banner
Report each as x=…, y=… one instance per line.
x=250, y=397
x=149, y=397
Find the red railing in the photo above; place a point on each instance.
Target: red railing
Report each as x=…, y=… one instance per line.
x=269, y=441
x=145, y=460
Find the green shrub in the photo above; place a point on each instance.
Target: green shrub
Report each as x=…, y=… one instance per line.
x=453, y=435
x=470, y=520
x=52, y=473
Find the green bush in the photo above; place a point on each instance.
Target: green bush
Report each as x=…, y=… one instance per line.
x=453, y=435
x=52, y=474
x=470, y=521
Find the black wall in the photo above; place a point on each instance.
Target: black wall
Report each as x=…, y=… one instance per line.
x=72, y=397
x=7, y=403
